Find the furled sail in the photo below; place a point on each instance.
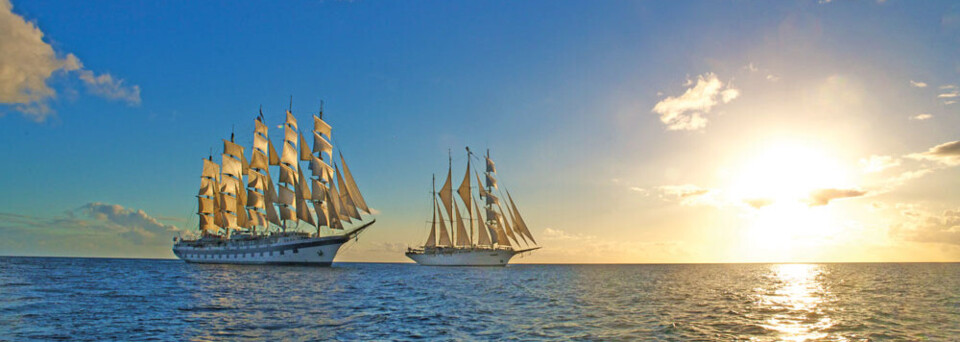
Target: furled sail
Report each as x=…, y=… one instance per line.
x=491, y=182
x=490, y=166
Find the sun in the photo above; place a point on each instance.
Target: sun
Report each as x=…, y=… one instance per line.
x=787, y=172
x=777, y=183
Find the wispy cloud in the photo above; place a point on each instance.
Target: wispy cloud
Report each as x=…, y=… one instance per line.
x=688, y=111
x=921, y=226
x=921, y=117
x=824, y=196
x=27, y=62
x=918, y=84
x=876, y=163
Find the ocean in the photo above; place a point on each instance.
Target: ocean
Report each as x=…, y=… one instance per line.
x=81, y=299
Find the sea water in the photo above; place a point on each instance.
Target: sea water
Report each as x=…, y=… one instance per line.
x=82, y=299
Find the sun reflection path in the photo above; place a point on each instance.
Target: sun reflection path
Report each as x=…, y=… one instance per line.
x=796, y=301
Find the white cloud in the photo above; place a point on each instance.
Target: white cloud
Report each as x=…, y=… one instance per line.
x=918, y=84
x=772, y=78
x=921, y=117
x=878, y=163
x=27, y=62
x=922, y=226
x=688, y=111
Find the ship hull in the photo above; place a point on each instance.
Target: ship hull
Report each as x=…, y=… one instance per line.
x=462, y=257
x=305, y=251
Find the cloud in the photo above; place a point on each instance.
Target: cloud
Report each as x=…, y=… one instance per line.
x=135, y=225
x=929, y=228
x=921, y=117
x=917, y=84
x=687, y=111
x=949, y=93
x=682, y=191
x=824, y=196
x=106, y=86
x=758, y=203
x=557, y=234
x=878, y=163
x=773, y=78
x=946, y=153
x=27, y=62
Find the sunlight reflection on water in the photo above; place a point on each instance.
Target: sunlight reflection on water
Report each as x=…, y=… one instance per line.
x=797, y=298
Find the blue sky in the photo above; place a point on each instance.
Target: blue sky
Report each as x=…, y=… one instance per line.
x=562, y=92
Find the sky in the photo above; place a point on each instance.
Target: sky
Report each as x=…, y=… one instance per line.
x=626, y=131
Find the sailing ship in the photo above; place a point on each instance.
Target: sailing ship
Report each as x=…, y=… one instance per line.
x=247, y=218
x=498, y=237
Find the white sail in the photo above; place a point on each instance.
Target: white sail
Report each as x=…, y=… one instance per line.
x=321, y=214
x=287, y=213
x=506, y=226
x=483, y=238
x=274, y=159
x=518, y=220
x=303, y=212
x=286, y=196
x=432, y=239
x=462, y=238
x=346, y=199
x=255, y=199
x=229, y=185
x=446, y=195
x=260, y=143
x=333, y=213
x=491, y=182
x=321, y=126
x=231, y=166
x=207, y=224
x=205, y=205
x=490, y=166
x=464, y=189
x=492, y=200
x=304, y=150
x=335, y=204
x=320, y=168
x=321, y=145
x=207, y=187
x=257, y=180
x=352, y=185
x=260, y=128
x=211, y=169
x=444, y=236
x=232, y=149
x=287, y=175
x=291, y=120
x=319, y=191
x=289, y=155
x=259, y=160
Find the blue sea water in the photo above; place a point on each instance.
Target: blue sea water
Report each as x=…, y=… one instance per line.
x=80, y=299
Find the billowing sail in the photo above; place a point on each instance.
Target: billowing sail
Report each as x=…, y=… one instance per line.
x=462, y=238
x=211, y=169
x=321, y=145
x=289, y=155
x=334, y=204
x=232, y=149
x=291, y=120
x=205, y=206
x=259, y=161
x=231, y=166
x=518, y=220
x=321, y=126
x=490, y=166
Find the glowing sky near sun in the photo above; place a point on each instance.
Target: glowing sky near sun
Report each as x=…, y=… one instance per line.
x=626, y=131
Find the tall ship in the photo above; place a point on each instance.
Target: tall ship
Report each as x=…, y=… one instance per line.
x=492, y=236
x=247, y=218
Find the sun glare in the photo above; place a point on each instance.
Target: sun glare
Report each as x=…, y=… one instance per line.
x=778, y=182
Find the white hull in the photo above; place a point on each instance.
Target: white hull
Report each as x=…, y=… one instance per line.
x=310, y=251
x=463, y=257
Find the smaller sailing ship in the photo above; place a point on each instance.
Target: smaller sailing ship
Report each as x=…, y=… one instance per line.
x=239, y=220
x=491, y=241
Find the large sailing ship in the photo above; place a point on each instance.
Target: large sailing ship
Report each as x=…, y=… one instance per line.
x=247, y=218
x=491, y=245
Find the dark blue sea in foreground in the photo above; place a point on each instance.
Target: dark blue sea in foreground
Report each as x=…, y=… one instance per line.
x=127, y=299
